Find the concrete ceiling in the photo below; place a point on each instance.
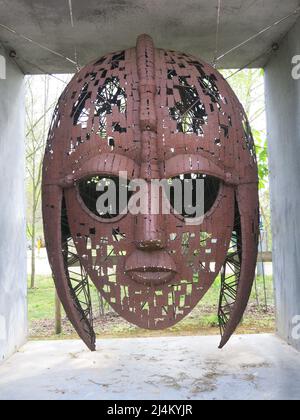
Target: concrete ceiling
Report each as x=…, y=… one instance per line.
x=102, y=26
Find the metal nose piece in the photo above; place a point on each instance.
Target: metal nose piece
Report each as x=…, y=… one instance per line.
x=150, y=228
x=150, y=234
x=150, y=245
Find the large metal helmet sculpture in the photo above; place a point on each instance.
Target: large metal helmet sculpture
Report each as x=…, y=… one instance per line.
x=154, y=114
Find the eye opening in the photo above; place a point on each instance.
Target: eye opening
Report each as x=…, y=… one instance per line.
x=91, y=188
x=212, y=188
x=89, y=194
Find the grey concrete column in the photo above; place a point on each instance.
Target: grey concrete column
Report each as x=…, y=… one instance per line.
x=283, y=116
x=13, y=302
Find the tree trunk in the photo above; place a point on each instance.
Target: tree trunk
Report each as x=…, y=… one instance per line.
x=33, y=237
x=32, y=280
x=33, y=240
x=101, y=305
x=58, y=326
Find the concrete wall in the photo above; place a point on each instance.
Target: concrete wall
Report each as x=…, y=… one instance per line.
x=13, y=305
x=283, y=116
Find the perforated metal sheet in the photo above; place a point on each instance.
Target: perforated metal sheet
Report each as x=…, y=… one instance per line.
x=156, y=115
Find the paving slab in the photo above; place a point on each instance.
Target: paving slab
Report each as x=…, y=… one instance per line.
x=189, y=368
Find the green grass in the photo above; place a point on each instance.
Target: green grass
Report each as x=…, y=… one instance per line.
x=41, y=300
x=202, y=320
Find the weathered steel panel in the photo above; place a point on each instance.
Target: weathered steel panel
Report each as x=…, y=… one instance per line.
x=154, y=114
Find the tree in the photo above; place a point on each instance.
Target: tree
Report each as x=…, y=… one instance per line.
x=249, y=87
x=41, y=97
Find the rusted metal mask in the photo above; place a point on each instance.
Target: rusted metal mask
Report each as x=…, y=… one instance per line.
x=153, y=114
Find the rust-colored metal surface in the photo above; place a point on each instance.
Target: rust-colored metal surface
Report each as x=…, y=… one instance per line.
x=153, y=114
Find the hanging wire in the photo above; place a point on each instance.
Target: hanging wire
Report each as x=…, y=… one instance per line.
x=268, y=51
x=43, y=71
x=217, y=32
x=71, y=13
x=274, y=48
x=78, y=67
x=7, y=28
x=261, y=32
x=250, y=63
x=216, y=59
x=73, y=26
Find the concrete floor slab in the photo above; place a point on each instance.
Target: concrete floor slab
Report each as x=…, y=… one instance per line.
x=250, y=367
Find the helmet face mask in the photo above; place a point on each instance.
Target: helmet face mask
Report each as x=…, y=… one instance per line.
x=151, y=115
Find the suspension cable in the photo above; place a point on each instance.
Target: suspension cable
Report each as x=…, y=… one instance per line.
x=43, y=71
x=217, y=31
x=261, y=32
x=73, y=26
x=71, y=13
x=13, y=31
x=216, y=59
